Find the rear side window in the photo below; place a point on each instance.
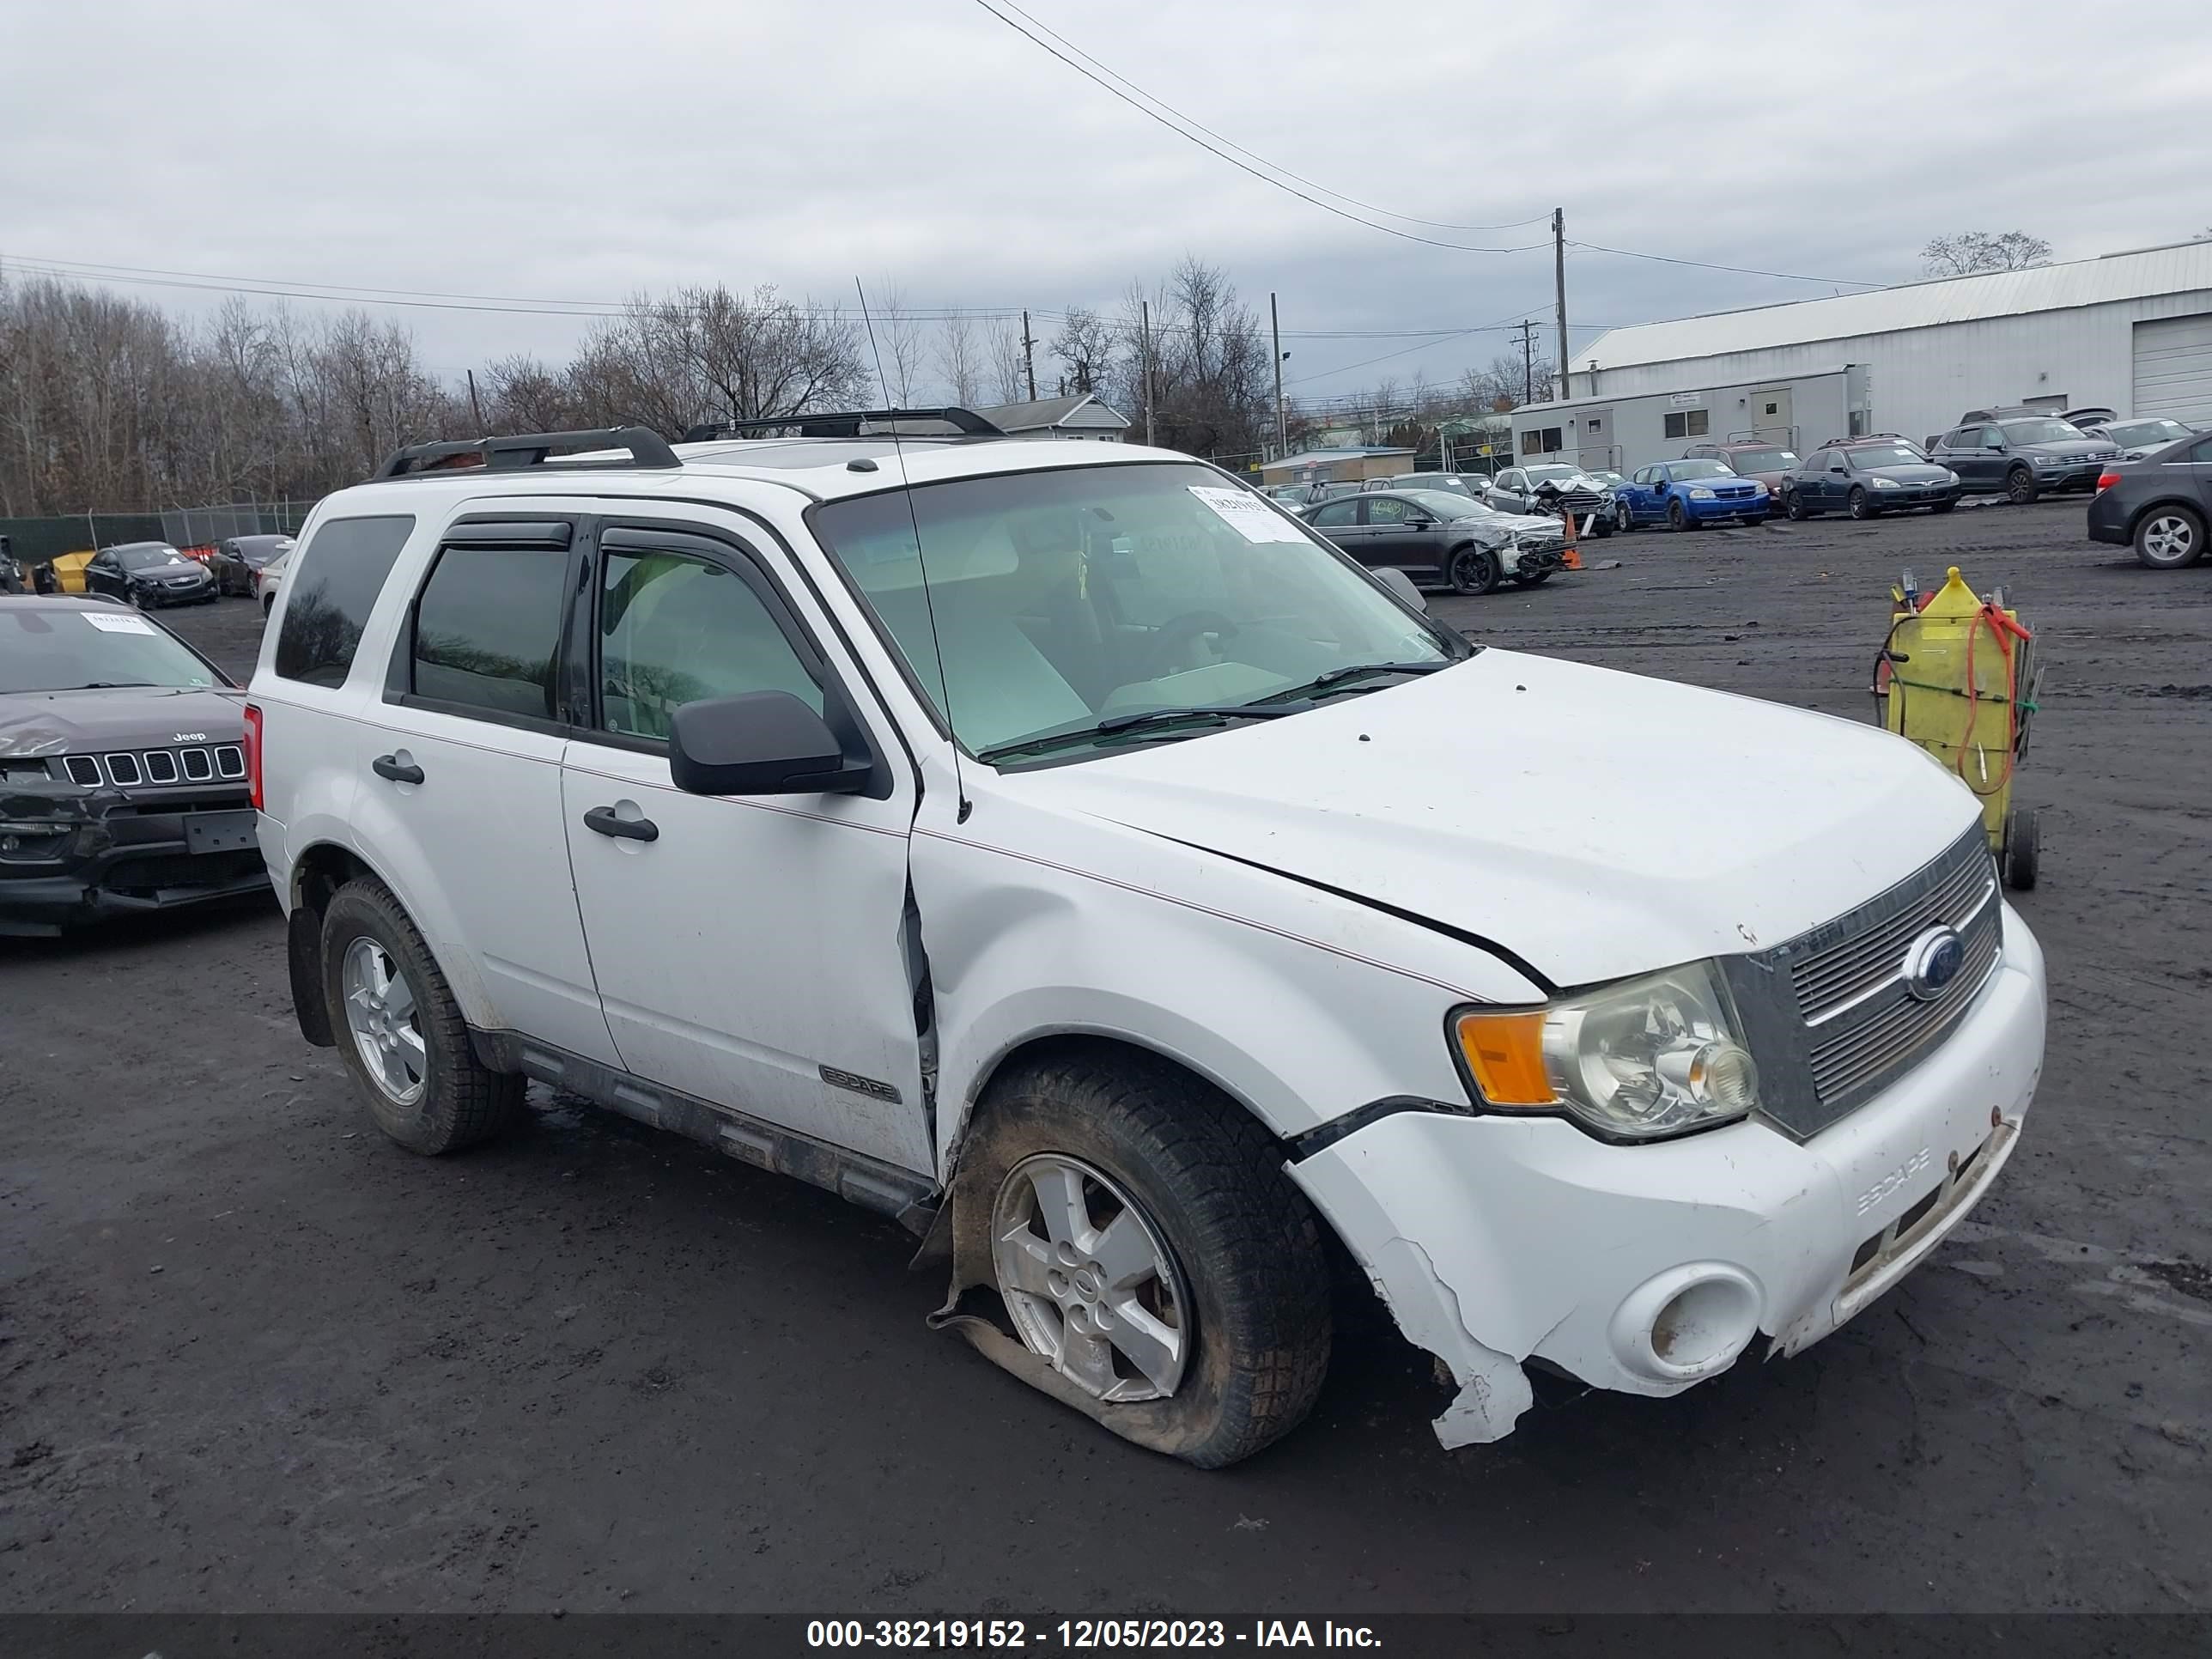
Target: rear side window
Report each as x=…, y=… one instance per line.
x=333, y=582
x=487, y=631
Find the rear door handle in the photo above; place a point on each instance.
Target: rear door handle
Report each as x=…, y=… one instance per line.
x=601, y=820
x=389, y=766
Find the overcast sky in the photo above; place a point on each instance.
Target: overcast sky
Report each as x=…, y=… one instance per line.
x=584, y=153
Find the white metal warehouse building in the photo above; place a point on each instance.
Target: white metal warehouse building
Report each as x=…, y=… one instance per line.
x=2131, y=332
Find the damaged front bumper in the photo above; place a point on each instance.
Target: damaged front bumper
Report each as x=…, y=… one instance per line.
x=1497, y=1240
x=69, y=857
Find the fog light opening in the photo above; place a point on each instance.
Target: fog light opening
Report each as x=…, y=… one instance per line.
x=1687, y=1324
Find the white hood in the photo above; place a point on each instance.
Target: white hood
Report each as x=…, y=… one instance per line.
x=1597, y=823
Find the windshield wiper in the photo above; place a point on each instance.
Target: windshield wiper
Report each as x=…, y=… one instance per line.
x=115, y=685
x=1114, y=725
x=1355, y=672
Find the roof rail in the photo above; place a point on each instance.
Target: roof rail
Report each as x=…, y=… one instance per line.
x=647, y=448
x=841, y=423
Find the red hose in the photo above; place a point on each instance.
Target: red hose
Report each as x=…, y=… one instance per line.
x=2006, y=630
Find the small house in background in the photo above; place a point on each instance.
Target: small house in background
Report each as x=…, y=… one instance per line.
x=1078, y=416
x=1345, y=465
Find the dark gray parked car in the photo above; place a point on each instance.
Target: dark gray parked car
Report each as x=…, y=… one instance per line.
x=1867, y=479
x=2158, y=505
x=1441, y=537
x=2024, y=457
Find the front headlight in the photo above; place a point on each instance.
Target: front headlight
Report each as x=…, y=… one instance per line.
x=1888, y=483
x=1950, y=476
x=1701, y=494
x=1636, y=1060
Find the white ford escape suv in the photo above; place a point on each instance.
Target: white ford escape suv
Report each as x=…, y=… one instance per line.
x=1059, y=848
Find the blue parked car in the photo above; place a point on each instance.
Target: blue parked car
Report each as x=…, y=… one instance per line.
x=1689, y=494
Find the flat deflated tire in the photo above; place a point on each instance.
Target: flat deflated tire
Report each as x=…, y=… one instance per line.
x=400, y=1032
x=1145, y=1241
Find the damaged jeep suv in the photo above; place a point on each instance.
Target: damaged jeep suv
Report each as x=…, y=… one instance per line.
x=1064, y=850
x=122, y=769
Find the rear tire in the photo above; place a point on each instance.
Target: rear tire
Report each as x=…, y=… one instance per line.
x=2170, y=538
x=1238, y=1280
x=2019, y=487
x=413, y=1066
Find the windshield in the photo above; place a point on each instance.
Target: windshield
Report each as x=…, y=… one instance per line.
x=2043, y=432
x=2136, y=433
x=1435, y=482
x=1609, y=478
x=1551, y=474
x=1701, y=470
x=51, y=647
x=145, y=558
x=1047, y=601
x=1763, y=460
x=1445, y=505
x=1885, y=455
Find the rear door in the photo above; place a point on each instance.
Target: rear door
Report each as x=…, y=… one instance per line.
x=1338, y=520
x=460, y=775
x=755, y=953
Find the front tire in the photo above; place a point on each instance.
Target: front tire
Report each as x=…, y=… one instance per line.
x=1623, y=520
x=1472, y=570
x=1536, y=580
x=2170, y=538
x=1860, y=504
x=1148, y=1244
x=1942, y=507
x=1793, y=504
x=400, y=1032
x=1678, y=520
x=2019, y=487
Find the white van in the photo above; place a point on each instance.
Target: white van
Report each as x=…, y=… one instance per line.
x=1059, y=847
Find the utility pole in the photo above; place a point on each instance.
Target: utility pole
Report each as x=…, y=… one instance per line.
x=1528, y=362
x=1028, y=353
x=1282, y=427
x=1559, y=278
x=1145, y=326
x=474, y=405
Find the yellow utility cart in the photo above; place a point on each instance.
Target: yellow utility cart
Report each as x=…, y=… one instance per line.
x=1957, y=675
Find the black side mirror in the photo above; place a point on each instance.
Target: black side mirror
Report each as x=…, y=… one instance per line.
x=763, y=742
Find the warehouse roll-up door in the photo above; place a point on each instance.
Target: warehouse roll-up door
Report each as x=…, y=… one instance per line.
x=2173, y=369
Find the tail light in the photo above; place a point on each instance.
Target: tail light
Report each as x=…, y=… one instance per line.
x=254, y=754
x=2107, y=480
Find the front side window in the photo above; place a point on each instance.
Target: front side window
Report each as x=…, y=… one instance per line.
x=674, y=629
x=1388, y=509
x=331, y=585
x=1992, y=438
x=1046, y=602
x=487, y=631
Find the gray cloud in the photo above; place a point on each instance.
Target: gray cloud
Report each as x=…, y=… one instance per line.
x=540, y=149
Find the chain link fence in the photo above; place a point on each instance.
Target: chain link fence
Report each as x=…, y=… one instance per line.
x=36, y=540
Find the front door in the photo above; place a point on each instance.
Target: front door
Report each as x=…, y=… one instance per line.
x=1401, y=535
x=751, y=953
x=1770, y=416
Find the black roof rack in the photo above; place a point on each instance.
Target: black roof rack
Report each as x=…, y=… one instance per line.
x=647, y=448
x=843, y=423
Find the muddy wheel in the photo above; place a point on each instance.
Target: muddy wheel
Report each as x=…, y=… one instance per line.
x=2019, y=487
x=400, y=1032
x=1148, y=1244
x=2023, y=843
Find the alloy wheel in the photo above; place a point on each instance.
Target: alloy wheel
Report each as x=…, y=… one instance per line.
x=1089, y=1280
x=2168, y=538
x=380, y=1014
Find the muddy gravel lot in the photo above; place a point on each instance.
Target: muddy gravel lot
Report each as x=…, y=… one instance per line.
x=253, y=1357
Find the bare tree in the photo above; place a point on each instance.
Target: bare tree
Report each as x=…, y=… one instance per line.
x=898, y=344
x=1085, y=343
x=707, y=353
x=1004, y=364
x=1972, y=252
x=958, y=361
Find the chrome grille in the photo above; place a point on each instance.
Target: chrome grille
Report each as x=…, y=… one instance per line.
x=123, y=769
x=82, y=769
x=1853, y=1063
x=160, y=767
x=230, y=761
x=1827, y=979
x=198, y=769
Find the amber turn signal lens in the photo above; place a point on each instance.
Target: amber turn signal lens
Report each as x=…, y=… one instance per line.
x=1506, y=1055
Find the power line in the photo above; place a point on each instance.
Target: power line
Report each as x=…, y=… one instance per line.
x=1740, y=270
x=1272, y=167
x=1216, y=149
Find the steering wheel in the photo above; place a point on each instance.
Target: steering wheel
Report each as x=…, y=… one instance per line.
x=1177, y=633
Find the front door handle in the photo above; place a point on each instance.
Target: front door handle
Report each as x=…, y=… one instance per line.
x=601, y=820
x=390, y=766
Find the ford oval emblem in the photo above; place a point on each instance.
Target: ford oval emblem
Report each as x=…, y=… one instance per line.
x=1933, y=963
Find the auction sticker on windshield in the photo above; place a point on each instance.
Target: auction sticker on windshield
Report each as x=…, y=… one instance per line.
x=1253, y=518
x=108, y=624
